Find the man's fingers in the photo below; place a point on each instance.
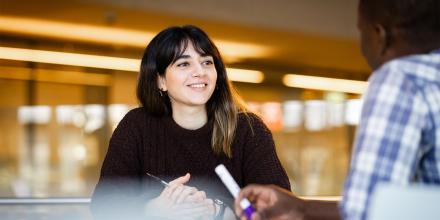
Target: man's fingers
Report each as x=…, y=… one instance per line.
x=258, y=195
x=246, y=192
x=256, y=216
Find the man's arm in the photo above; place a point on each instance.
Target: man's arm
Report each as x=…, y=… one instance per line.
x=272, y=202
x=320, y=209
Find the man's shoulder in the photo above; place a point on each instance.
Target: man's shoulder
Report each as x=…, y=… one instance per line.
x=418, y=67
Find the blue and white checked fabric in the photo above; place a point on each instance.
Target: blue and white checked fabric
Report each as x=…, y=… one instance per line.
x=398, y=139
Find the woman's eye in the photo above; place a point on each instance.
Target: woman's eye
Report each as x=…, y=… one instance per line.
x=208, y=62
x=184, y=64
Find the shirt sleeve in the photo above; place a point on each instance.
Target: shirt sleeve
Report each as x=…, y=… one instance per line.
x=388, y=137
x=261, y=162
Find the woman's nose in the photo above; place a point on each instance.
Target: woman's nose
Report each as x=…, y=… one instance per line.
x=198, y=70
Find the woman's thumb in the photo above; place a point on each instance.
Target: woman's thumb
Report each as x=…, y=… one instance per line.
x=182, y=179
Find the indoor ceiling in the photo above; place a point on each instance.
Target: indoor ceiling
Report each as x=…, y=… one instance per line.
x=311, y=37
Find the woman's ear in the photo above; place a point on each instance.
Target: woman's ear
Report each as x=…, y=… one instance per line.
x=161, y=83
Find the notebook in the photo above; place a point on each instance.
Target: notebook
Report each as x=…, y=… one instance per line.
x=391, y=202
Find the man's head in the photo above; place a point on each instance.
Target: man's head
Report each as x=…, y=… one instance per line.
x=394, y=28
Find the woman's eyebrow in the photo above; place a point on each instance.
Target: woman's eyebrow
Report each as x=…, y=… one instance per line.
x=183, y=56
x=206, y=55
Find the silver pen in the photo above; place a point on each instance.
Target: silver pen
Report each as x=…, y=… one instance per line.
x=158, y=179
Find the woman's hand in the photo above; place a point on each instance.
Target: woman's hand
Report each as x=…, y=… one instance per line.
x=178, y=201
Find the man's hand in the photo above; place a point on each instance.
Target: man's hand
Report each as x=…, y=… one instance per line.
x=271, y=202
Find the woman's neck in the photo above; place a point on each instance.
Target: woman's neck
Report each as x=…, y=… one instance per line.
x=190, y=118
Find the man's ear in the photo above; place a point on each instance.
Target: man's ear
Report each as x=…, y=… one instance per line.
x=383, y=40
x=161, y=83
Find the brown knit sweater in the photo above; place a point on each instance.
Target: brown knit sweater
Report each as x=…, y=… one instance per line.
x=143, y=143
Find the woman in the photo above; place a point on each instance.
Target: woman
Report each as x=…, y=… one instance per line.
x=190, y=121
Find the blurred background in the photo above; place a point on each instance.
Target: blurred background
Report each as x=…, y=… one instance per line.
x=68, y=72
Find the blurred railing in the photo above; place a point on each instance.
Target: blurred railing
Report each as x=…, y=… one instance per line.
x=35, y=201
x=45, y=208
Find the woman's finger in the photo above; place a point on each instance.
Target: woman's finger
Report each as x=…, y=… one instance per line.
x=199, y=196
x=175, y=194
x=187, y=191
x=181, y=180
x=166, y=193
x=195, y=209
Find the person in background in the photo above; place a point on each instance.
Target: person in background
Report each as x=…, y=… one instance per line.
x=190, y=121
x=398, y=139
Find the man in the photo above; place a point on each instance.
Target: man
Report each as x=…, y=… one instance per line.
x=398, y=139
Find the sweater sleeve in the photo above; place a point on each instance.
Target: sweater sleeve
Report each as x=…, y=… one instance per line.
x=260, y=160
x=119, y=186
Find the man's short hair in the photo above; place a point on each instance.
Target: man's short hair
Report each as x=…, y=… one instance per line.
x=415, y=21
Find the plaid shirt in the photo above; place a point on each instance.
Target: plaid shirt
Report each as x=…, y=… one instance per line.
x=398, y=139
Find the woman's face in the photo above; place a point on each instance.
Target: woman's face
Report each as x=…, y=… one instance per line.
x=190, y=80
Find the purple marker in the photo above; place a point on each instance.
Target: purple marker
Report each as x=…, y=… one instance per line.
x=234, y=189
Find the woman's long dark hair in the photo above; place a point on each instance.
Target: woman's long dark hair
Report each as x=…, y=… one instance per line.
x=224, y=104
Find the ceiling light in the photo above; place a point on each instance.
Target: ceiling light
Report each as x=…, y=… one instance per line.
x=104, y=62
x=242, y=75
x=72, y=59
x=323, y=83
x=230, y=50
